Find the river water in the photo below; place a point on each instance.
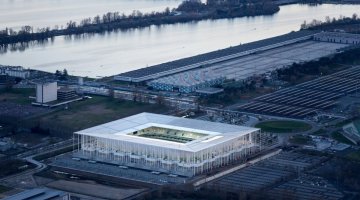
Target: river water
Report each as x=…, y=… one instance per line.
x=43, y=13
x=112, y=53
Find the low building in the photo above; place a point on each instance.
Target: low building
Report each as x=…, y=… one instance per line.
x=65, y=93
x=168, y=144
x=187, y=82
x=40, y=194
x=338, y=37
x=46, y=91
x=13, y=71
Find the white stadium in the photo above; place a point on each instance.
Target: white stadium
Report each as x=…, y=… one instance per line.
x=168, y=144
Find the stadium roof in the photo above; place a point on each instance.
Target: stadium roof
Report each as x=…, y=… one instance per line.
x=216, y=132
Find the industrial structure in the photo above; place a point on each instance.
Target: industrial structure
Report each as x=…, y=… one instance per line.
x=188, y=81
x=65, y=93
x=14, y=71
x=202, y=60
x=242, y=62
x=338, y=37
x=168, y=144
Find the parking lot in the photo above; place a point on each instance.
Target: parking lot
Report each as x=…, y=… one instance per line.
x=279, y=175
x=307, y=98
x=308, y=188
x=66, y=161
x=266, y=173
x=244, y=67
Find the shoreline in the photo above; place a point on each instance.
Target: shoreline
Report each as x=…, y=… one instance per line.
x=115, y=21
x=145, y=22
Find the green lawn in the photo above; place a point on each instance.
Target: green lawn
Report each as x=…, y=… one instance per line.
x=10, y=167
x=95, y=111
x=354, y=156
x=283, y=126
x=15, y=95
x=300, y=139
x=320, y=132
x=340, y=138
x=4, y=189
x=341, y=124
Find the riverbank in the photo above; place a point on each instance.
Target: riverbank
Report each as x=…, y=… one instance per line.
x=99, y=55
x=342, y=24
x=316, y=2
x=186, y=12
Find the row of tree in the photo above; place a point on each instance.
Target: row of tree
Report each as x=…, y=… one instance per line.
x=318, y=24
x=186, y=12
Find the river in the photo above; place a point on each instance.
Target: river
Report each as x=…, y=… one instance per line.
x=112, y=53
x=43, y=13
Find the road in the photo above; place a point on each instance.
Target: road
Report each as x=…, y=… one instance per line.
x=24, y=180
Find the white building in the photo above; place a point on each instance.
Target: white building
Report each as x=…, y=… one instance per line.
x=14, y=71
x=46, y=91
x=338, y=37
x=167, y=144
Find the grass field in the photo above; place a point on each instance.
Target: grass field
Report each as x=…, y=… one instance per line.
x=15, y=95
x=10, y=167
x=320, y=132
x=355, y=156
x=283, y=126
x=4, y=189
x=95, y=111
x=340, y=138
x=300, y=139
x=343, y=123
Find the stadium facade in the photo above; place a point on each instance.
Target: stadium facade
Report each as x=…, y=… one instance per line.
x=168, y=144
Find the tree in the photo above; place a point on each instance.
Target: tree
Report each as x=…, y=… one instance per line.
x=64, y=75
x=71, y=24
x=9, y=84
x=58, y=73
x=160, y=100
x=167, y=11
x=354, y=16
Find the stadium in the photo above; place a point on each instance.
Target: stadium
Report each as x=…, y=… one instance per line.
x=167, y=144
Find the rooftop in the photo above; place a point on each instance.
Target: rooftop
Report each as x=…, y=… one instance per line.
x=38, y=194
x=44, y=81
x=213, y=55
x=182, y=134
